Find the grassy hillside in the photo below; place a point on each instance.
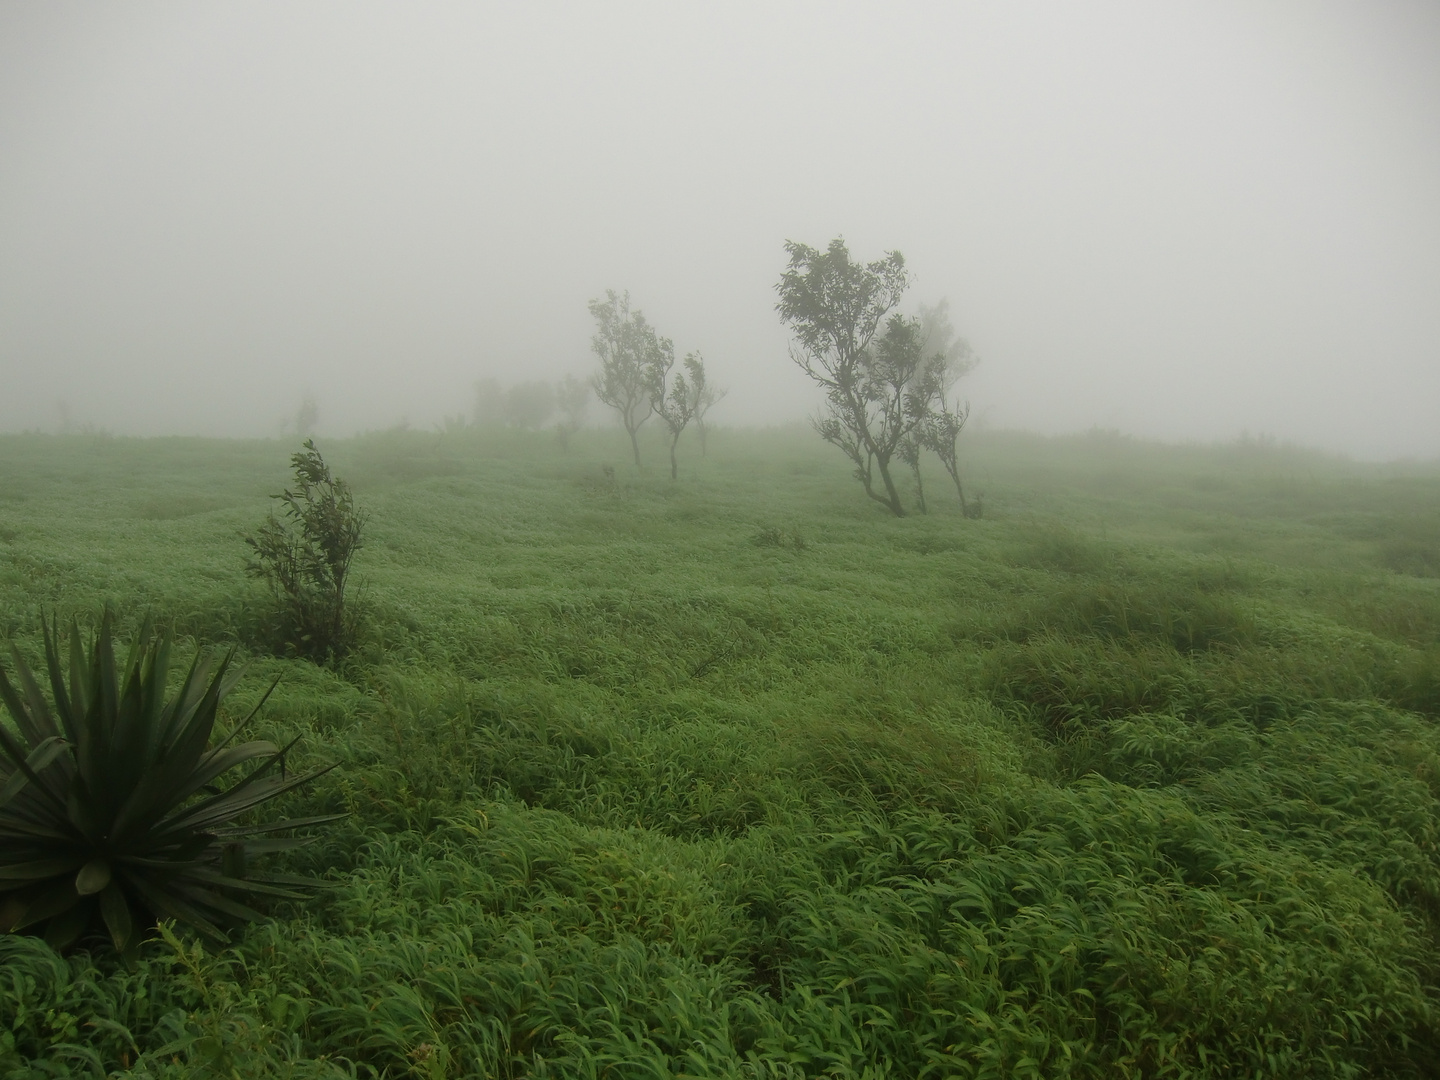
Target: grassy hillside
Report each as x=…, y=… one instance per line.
x=738, y=776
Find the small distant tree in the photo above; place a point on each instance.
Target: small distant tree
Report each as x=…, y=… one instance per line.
x=530, y=405
x=631, y=354
x=306, y=558
x=941, y=429
x=878, y=388
x=941, y=433
x=307, y=416
x=677, y=406
x=572, y=396
x=703, y=394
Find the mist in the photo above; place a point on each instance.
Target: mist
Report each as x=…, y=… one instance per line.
x=1181, y=223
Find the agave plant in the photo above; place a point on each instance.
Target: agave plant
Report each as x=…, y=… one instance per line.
x=109, y=809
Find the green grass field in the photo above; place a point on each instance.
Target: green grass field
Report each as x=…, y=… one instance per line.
x=1138, y=775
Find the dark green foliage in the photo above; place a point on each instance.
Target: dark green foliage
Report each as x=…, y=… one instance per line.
x=306, y=559
x=109, y=813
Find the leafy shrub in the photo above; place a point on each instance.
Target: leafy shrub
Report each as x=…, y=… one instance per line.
x=306, y=559
x=108, y=806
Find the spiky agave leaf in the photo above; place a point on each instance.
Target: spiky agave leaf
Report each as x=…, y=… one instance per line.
x=108, y=811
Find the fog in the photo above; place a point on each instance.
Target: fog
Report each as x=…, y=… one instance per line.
x=1184, y=221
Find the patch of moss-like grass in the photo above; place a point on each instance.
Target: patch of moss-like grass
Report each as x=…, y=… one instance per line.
x=1136, y=775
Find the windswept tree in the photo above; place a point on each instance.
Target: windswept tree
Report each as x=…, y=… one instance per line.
x=941, y=433
x=307, y=416
x=676, y=405
x=703, y=394
x=631, y=354
x=879, y=388
x=941, y=430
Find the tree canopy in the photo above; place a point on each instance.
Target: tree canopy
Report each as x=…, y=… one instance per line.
x=634, y=361
x=883, y=391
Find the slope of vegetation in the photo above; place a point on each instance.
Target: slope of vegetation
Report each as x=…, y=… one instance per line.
x=738, y=776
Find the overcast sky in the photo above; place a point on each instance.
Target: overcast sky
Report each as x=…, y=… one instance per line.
x=1178, y=220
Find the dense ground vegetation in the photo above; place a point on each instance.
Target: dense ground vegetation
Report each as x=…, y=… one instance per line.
x=739, y=776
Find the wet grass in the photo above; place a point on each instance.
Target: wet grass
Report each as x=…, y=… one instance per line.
x=1138, y=775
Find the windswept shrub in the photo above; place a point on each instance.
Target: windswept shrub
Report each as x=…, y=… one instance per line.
x=306, y=559
x=109, y=812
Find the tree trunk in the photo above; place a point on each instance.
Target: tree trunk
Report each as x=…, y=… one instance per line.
x=896, y=507
x=674, y=469
x=955, y=475
x=635, y=445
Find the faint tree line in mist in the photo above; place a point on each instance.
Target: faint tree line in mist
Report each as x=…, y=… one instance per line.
x=636, y=376
x=533, y=405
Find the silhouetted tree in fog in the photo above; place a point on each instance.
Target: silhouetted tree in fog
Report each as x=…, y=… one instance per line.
x=677, y=405
x=942, y=426
x=631, y=354
x=703, y=394
x=301, y=422
x=878, y=389
x=940, y=433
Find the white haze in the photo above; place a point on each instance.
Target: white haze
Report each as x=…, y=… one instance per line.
x=1178, y=220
